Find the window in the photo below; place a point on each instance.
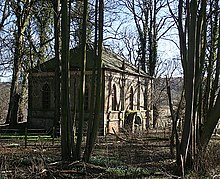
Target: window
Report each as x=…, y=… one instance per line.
x=46, y=96
x=114, y=98
x=131, y=99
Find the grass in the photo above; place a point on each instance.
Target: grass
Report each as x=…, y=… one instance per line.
x=110, y=159
x=126, y=171
x=118, y=168
x=106, y=161
x=30, y=140
x=29, y=137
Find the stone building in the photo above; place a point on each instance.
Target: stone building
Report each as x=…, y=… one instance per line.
x=125, y=92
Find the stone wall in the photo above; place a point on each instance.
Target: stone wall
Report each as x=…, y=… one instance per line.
x=124, y=83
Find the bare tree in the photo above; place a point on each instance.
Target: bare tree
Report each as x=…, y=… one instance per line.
x=66, y=143
x=4, y=12
x=22, y=15
x=56, y=5
x=82, y=80
x=95, y=120
x=199, y=57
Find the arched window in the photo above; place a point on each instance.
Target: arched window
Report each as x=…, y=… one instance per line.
x=86, y=99
x=131, y=99
x=114, y=98
x=46, y=96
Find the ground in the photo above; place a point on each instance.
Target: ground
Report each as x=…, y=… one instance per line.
x=115, y=156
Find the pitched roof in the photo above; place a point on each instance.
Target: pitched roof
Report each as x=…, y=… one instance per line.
x=110, y=61
x=114, y=62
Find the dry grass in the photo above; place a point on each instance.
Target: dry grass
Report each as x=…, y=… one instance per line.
x=123, y=156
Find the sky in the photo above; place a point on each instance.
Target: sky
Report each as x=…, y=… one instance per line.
x=167, y=51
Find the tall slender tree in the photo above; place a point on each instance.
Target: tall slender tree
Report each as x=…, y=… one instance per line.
x=198, y=49
x=66, y=144
x=82, y=80
x=56, y=5
x=94, y=122
x=22, y=15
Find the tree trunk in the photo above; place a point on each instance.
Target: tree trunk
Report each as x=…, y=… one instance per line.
x=86, y=155
x=99, y=89
x=21, y=21
x=209, y=126
x=65, y=85
x=174, y=123
x=56, y=121
x=82, y=82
